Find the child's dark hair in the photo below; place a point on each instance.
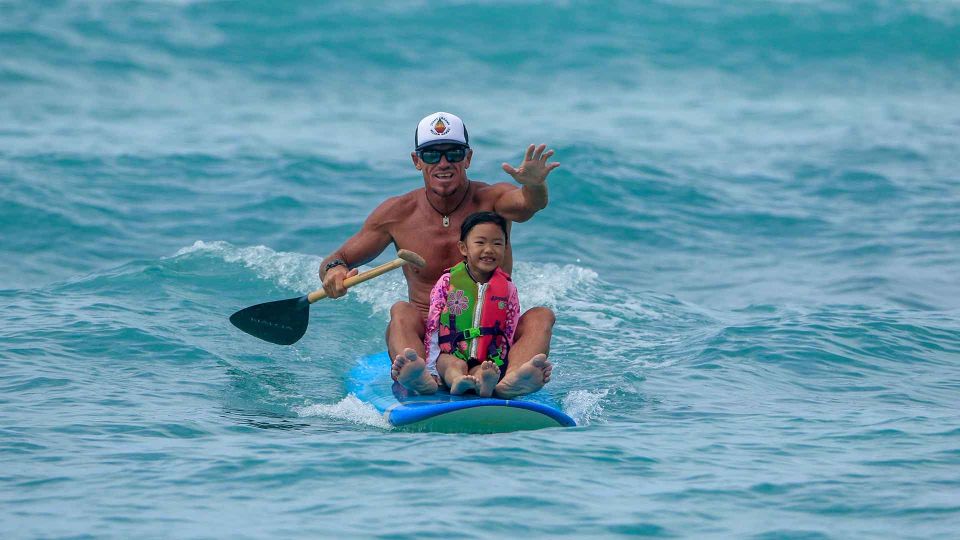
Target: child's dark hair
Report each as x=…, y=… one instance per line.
x=483, y=217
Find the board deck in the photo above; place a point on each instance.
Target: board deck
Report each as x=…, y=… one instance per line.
x=370, y=381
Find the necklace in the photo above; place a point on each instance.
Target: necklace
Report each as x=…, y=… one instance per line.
x=446, y=217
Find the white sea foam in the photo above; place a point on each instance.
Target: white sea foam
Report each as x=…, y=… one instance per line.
x=584, y=406
x=349, y=408
x=388, y=289
x=539, y=284
x=548, y=284
x=299, y=272
x=290, y=270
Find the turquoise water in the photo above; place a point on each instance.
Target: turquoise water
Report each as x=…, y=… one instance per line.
x=752, y=247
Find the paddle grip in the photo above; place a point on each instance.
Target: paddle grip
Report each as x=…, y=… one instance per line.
x=320, y=294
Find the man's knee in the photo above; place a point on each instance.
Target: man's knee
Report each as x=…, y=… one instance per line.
x=541, y=316
x=406, y=315
x=402, y=311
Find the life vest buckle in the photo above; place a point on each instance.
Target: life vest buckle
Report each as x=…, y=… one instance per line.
x=471, y=333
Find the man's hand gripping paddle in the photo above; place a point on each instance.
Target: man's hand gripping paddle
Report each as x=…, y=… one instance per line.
x=285, y=321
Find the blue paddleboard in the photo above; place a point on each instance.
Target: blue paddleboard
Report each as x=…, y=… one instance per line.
x=370, y=381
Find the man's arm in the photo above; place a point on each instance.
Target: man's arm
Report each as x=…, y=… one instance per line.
x=361, y=248
x=521, y=204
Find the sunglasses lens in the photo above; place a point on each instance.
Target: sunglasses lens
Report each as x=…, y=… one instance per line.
x=430, y=156
x=454, y=155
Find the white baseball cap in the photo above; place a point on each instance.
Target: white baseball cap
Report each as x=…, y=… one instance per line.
x=441, y=128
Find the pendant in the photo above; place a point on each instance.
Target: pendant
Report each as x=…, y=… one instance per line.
x=446, y=221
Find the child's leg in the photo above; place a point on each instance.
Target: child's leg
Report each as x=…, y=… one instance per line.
x=453, y=372
x=488, y=375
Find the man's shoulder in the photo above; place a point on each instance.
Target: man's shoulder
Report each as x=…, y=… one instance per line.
x=399, y=203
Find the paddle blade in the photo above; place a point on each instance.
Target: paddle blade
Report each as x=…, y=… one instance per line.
x=282, y=322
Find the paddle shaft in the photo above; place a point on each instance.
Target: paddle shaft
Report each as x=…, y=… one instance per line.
x=320, y=294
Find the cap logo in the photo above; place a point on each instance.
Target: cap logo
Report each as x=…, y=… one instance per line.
x=441, y=126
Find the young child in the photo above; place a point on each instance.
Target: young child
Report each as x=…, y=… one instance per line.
x=474, y=309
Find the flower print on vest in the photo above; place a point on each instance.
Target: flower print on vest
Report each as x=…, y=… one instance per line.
x=457, y=302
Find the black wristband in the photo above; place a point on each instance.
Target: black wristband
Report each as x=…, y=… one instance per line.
x=333, y=263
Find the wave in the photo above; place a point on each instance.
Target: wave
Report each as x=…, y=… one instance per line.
x=540, y=284
x=289, y=270
x=293, y=42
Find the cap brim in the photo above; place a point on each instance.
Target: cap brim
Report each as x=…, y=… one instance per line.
x=442, y=141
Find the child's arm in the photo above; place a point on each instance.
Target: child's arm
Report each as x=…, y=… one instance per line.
x=438, y=301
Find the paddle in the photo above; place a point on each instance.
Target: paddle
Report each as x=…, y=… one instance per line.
x=285, y=321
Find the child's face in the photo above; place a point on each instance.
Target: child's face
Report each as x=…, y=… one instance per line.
x=484, y=249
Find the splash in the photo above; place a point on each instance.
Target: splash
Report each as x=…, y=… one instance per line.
x=349, y=409
x=299, y=272
x=539, y=284
x=389, y=289
x=290, y=270
x=584, y=406
x=549, y=284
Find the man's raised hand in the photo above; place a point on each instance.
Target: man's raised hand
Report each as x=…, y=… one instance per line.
x=534, y=169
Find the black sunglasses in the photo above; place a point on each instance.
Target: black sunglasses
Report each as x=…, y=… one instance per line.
x=453, y=155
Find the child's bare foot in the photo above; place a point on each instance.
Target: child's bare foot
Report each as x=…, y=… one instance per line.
x=411, y=371
x=489, y=375
x=464, y=383
x=528, y=378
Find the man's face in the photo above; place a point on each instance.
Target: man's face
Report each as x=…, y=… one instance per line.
x=444, y=176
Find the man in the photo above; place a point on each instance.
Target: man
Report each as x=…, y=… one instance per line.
x=427, y=221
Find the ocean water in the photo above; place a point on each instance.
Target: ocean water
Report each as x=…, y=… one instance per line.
x=752, y=247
